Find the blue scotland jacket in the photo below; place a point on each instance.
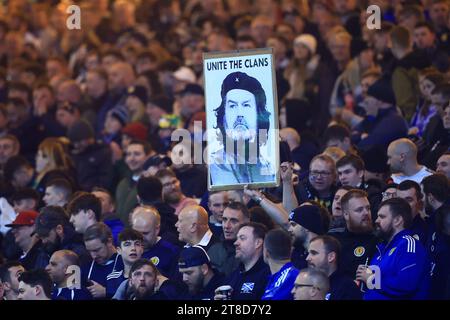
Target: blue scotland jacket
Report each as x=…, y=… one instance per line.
x=404, y=269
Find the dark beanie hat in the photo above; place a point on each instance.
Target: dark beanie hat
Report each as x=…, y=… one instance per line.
x=240, y=80
x=375, y=159
x=308, y=216
x=192, y=88
x=139, y=92
x=382, y=90
x=156, y=160
x=162, y=102
x=80, y=130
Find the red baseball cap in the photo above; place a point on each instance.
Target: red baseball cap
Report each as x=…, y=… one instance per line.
x=24, y=218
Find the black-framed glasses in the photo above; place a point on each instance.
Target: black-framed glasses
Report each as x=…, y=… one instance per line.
x=298, y=285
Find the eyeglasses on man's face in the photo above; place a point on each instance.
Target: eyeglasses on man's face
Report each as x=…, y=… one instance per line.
x=316, y=174
x=299, y=285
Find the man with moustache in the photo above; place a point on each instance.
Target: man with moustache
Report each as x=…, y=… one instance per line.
x=198, y=274
x=402, y=262
x=241, y=118
x=141, y=284
x=357, y=240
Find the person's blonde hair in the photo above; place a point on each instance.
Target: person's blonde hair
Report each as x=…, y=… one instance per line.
x=53, y=149
x=335, y=153
x=338, y=32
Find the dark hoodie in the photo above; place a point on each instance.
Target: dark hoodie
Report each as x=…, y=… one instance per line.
x=72, y=241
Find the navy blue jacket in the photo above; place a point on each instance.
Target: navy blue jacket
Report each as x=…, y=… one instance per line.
x=99, y=272
x=164, y=256
x=343, y=287
x=440, y=267
x=419, y=229
x=386, y=127
x=71, y=294
x=251, y=284
x=208, y=292
x=174, y=290
x=298, y=258
x=116, y=225
x=404, y=270
x=72, y=241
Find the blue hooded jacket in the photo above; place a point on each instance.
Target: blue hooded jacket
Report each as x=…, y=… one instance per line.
x=404, y=270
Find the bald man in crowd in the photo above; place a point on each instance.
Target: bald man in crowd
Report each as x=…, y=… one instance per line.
x=193, y=227
x=402, y=159
x=162, y=253
x=61, y=269
x=311, y=284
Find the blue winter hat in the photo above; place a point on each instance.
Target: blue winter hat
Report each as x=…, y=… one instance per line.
x=121, y=114
x=192, y=257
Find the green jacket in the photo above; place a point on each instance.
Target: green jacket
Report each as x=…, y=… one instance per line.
x=405, y=81
x=126, y=199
